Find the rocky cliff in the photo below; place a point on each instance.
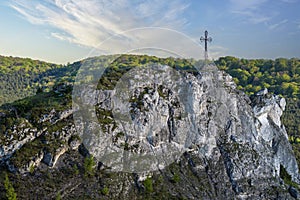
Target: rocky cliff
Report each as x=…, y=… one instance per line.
x=191, y=135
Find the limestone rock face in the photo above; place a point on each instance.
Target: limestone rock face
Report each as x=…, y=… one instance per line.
x=268, y=111
x=20, y=135
x=164, y=115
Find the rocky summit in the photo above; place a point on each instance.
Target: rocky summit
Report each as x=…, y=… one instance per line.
x=159, y=133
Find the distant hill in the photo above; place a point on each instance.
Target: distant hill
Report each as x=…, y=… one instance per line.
x=280, y=76
x=22, y=77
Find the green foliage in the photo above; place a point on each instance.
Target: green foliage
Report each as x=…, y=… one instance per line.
x=26, y=153
x=32, y=149
x=105, y=191
x=89, y=166
x=10, y=191
x=291, y=120
x=287, y=178
x=176, y=178
x=124, y=63
x=31, y=169
x=39, y=104
x=22, y=77
x=105, y=118
x=148, y=184
x=75, y=169
x=280, y=76
x=58, y=196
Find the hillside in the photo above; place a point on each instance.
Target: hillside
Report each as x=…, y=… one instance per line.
x=280, y=76
x=38, y=133
x=22, y=77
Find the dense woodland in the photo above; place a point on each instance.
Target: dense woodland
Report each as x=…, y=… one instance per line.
x=280, y=76
x=22, y=77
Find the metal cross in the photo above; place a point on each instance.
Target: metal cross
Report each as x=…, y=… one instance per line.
x=206, y=39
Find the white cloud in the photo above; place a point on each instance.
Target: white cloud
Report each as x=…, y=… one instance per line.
x=289, y=1
x=90, y=22
x=274, y=26
x=251, y=10
x=32, y=19
x=156, y=41
x=247, y=5
x=253, y=17
x=297, y=24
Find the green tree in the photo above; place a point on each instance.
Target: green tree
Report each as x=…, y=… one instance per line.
x=105, y=190
x=10, y=191
x=75, y=169
x=58, y=196
x=281, y=64
x=176, y=178
x=148, y=184
x=89, y=166
x=285, y=78
x=31, y=169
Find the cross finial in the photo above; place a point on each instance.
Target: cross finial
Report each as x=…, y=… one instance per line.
x=206, y=39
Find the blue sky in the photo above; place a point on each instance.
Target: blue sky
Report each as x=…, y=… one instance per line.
x=63, y=31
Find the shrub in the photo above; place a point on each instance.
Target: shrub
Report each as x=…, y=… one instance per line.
x=105, y=191
x=148, y=183
x=176, y=178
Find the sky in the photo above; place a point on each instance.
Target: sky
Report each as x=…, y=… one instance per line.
x=62, y=31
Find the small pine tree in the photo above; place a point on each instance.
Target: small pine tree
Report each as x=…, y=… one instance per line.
x=76, y=170
x=175, y=178
x=148, y=184
x=89, y=166
x=31, y=169
x=10, y=191
x=105, y=191
x=58, y=196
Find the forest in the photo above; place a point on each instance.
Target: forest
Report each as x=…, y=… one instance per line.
x=23, y=77
x=280, y=76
